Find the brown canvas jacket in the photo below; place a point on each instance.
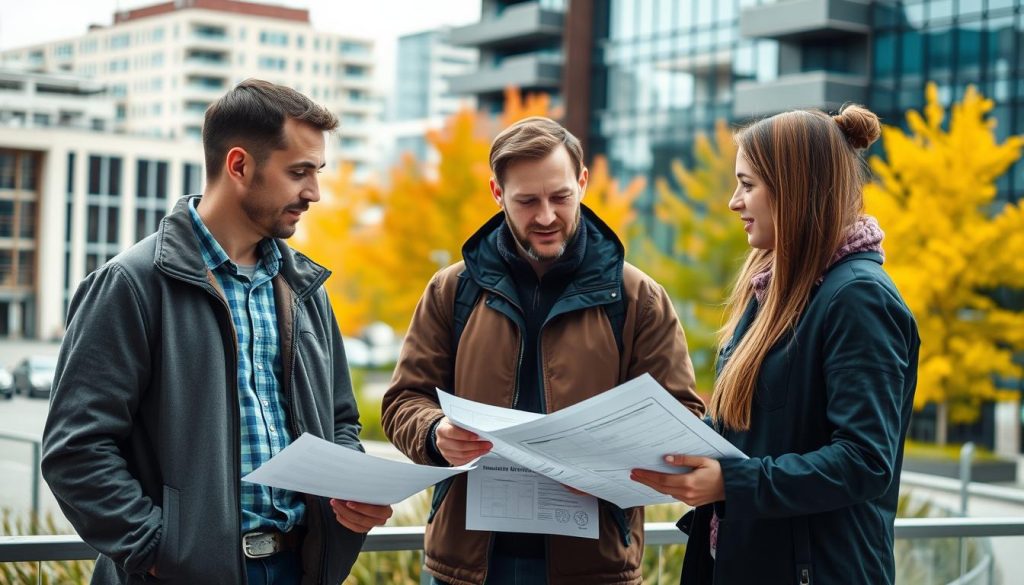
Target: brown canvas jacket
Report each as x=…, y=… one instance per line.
x=579, y=358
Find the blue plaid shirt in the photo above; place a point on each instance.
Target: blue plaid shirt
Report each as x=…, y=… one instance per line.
x=263, y=422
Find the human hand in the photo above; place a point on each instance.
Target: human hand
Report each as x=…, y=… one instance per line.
x=359, y=517
x=703, y=484
x=459, y=446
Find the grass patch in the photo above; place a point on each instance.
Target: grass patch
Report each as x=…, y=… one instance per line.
x=920, y=450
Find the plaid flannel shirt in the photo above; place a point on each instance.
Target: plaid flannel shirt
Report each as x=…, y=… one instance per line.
x=263, y=422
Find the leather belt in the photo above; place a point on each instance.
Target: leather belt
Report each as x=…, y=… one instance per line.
x=260, y=544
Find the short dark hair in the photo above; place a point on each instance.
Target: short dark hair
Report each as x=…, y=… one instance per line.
x=252, y=115
x=532, y=138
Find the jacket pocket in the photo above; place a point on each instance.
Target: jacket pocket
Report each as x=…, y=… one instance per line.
x=440, y=491
x=168, y=555
x=772, y=390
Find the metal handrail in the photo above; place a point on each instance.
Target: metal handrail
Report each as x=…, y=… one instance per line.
x=393, y=538
x=37, y=458
x=1007, y=495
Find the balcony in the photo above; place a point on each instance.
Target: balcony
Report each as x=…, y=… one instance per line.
x=817, y=89
x=790, y=20
x=523, y=71
x=526, y=23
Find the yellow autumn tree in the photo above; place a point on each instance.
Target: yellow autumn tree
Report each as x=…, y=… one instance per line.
x=335, y=232
x=950, y=245
x=423, y=216
x=708, y=248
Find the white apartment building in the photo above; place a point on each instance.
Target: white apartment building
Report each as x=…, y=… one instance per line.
x=422, y=97
x=164, y=64
x=71, y=199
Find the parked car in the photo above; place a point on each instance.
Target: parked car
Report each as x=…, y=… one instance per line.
x=33, y=376
x=6, y=384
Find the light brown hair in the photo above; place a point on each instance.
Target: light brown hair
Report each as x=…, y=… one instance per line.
x=532, y=138
x=810, y=164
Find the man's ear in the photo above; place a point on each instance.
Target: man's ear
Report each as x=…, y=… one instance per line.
x=584, y=179
x=495, y=191
x=238, y=165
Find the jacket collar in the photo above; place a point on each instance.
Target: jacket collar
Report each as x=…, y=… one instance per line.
x=601, y=267
x=177, y=254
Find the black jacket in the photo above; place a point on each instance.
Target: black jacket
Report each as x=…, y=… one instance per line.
x=141, y=445
x=817, y=498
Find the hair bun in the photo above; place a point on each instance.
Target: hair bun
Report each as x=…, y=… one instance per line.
x=859, y=124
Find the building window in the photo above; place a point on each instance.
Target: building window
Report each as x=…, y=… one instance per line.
x=120, y=41
x=104, y=175
x=6, y=218
x=192, y=180
x=274, y=38
x=357, y=71
x=27, y=219
x=71, y=174
x=272, y=63
x=26, y=269
x=113, y=218
x=92, y=225
x=7, y=170
x=351, y=48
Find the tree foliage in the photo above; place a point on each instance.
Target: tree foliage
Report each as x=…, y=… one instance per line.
x=708, y=248
x=950, y=244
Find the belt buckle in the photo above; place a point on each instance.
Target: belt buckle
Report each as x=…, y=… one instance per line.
x=257, y=545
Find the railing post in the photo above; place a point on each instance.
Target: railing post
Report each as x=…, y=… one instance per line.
x=37, y=459
x=966, y=456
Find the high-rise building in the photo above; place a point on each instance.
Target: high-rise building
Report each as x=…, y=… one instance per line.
x=520, y=44
x=660, y=72
x=423, y=97
x=164, y=64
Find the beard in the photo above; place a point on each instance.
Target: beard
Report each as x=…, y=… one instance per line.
x=271, y=219
x=523, y=241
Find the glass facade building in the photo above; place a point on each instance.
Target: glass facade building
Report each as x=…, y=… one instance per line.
x=663, y=71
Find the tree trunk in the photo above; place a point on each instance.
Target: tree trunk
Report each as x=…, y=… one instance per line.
x=942, y=423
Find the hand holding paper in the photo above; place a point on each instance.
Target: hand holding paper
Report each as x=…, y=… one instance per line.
x=314, y=466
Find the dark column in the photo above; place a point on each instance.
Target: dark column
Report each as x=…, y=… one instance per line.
x=579, y=32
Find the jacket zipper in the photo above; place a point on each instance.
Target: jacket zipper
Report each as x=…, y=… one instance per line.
x=236, y=419
x=522, y=345
x=519, y=366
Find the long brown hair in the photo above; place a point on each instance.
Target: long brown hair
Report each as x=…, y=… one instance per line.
x=810, y=164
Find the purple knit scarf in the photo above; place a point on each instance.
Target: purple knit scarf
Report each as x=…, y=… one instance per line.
x=864, y=236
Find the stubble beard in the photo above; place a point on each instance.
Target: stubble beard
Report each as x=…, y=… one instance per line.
x=270, y=220
x=523, y=243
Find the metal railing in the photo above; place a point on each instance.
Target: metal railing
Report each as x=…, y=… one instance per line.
x=71, y=547
x=37, y=457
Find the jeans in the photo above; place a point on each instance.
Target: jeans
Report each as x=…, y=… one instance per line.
x=283, y=568
x=506, y=570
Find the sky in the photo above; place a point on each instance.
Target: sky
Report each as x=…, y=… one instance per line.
x=26, y=22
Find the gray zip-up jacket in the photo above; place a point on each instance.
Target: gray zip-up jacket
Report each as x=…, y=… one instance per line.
x=141, y=446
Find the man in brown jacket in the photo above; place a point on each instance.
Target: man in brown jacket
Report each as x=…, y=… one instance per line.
x=549, y=314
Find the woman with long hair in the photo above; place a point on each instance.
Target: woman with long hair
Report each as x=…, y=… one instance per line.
x=816, y=373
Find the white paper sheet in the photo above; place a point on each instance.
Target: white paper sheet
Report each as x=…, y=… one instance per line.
x=312, y=465
x=504, y=497
x=593, y=445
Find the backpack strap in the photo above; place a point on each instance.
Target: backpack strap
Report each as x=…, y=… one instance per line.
x=467, y=295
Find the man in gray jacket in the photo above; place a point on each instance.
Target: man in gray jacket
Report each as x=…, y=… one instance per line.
x=196, y=355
